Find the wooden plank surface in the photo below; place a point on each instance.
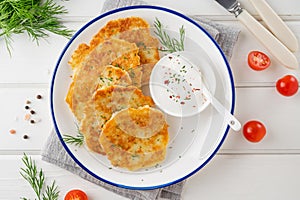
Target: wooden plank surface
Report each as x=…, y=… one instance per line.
x=241, y=170
x=260, y=103
x=236, y=177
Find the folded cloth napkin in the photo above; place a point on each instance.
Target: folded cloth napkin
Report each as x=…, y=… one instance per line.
x=53, y=151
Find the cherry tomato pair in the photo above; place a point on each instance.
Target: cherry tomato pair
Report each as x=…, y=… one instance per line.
x=287, y=85
x=76, y=195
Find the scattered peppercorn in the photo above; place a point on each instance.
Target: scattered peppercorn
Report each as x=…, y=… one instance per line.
x=12, y=131
x=39, y=96
x=32, y=112
x=28, y=102
x=25, y=137
x=27, y=107
x=32, y=121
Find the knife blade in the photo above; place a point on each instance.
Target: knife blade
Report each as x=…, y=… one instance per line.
x=275, y=24
x=266, y=38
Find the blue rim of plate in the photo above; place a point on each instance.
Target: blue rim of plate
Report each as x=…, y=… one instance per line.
x=62, y=55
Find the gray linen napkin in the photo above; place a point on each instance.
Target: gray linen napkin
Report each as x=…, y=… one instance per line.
x=53, y=151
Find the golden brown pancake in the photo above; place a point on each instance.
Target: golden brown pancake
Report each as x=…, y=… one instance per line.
x=108, y=75
x=146, y=69
x=125, y=150
x=142, y=122
x=131, y=29
x=104, y=103
x=115, y=27
x=148, y=45
x=112, y=75
x=86, y=77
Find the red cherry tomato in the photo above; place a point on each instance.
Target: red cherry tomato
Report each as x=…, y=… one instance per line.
x=76, y=195
x=254, y=131
x=258, y=60
x=287, y=85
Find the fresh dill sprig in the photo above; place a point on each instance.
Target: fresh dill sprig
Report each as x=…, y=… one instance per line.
x=170, y=44
x=34, y=17
x=36, y=179
x=76, y=140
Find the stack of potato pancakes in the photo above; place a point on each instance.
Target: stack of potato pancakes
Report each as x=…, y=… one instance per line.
x=115, y=117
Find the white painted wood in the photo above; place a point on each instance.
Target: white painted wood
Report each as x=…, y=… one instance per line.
x=249, y=177
x=47, y=54
x=13, y=186
x=29, y=62
x=241, y=170
x=231, y=177
x=12, y=106
x=263, y=103
x=276, y=112
x=78, y=8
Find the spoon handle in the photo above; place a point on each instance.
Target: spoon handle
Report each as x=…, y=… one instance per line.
x=229, y=118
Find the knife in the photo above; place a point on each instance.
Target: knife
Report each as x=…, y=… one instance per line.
x=270, y=42
x=275, y=24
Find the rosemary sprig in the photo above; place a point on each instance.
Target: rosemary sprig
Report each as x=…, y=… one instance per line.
x=76, y=140
x=34, y=17
x=51, y=192
x=170, y=44
x=36, y=179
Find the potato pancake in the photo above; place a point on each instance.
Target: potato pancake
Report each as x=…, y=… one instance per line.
x=105, y=102
x=132, y=152
x=132, y=29
x=141, y=123
x=105, y=94
x=86, y=78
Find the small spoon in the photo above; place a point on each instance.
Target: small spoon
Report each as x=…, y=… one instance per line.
x=229, y=118
x=177, y=87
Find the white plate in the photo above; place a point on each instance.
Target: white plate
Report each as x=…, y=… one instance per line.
x=193, y=140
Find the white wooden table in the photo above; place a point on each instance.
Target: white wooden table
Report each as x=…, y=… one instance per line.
x=240, y=170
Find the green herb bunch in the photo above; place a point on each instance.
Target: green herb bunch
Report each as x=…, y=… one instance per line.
x=36, y=179
x=34, y=17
